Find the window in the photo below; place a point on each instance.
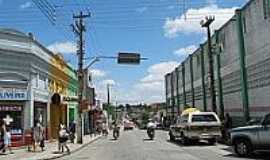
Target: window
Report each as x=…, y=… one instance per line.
x=204, y=118
x=266, y=9
x=184, y=119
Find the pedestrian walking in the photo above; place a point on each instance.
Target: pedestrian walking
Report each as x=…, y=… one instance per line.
x=104, y=129
x=38, y=136
x=72, y=131
x=63, y=138
x=227, y=125
x=7, y=140
x=2, y=135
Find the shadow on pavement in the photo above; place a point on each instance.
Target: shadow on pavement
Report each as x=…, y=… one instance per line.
x=147, y=139
x=57, y=152
x=257, y=156
x=112, y=139
x=190, y=144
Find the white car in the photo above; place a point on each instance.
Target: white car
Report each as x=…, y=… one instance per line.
x=196, y=126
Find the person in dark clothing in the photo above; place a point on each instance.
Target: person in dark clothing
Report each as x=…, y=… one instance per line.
x=2, y=134
x=227, y=125
x=72, y=130
x=228, y=121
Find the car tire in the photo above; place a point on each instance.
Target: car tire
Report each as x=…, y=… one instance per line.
x=185, y=140
x=243, y=147
x=212, y=141
x=172, y=138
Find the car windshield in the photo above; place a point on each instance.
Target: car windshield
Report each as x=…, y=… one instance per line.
x=204, y=118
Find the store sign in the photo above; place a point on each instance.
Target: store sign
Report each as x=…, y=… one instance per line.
x=10, y=108
x=70, y=99
x=13, y=94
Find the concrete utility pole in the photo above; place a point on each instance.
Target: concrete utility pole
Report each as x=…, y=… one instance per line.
x=108, y=94
x=78, y=29
x=206, y=24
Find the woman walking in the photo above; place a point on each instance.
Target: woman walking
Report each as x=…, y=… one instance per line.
x=7, y=140
x=38, y=136
x=63, y=138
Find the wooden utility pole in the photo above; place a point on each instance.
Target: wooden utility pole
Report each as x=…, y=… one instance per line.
x=79, y=29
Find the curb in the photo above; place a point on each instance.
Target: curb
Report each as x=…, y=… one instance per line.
x=75, y=150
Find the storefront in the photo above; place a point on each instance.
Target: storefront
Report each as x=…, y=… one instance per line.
x=12, y=114
x=12, y=105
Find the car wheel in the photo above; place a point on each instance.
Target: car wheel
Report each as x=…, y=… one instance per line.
x=172, y=138
x=185, y=140
x=212, y=141
x=242, y=148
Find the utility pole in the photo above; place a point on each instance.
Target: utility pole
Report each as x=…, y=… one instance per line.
x=108, y=94
x=78, y=29
x=206, y=24
x=116, y=111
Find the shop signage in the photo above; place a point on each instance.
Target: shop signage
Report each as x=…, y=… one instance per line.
x=70, y=99
x=7, y=108
x=13, y=94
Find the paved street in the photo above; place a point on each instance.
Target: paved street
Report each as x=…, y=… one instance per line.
x=134, y=145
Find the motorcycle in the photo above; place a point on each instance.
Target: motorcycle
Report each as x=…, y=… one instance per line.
x=151, y=133
x=116, y=133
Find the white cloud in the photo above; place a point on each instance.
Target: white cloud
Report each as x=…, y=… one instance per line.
x=26, y=5
x=63, y=47
x=141, y=10
x=151, y=87
x=157, y=72
x=108, y=82
x=147, y=90
x=184, y=52
x=190, y=21
x=96, y=73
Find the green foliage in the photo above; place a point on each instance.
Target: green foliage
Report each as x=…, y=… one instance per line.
x=145, y=117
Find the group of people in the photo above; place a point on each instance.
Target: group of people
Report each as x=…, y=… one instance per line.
x=38, y=137
x=5, y=137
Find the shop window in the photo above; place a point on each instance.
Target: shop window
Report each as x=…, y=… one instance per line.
x=266, y=9
x=13, y=115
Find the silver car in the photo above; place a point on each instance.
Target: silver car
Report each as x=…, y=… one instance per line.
x=247, y=139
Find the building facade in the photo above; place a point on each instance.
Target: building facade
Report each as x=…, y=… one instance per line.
x=33, y=84
x=241, y=68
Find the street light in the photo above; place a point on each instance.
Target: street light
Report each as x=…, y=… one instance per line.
x=206, y=24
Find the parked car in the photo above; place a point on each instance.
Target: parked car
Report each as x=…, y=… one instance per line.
x=128, y=125
x=196, y=126
x=253, y=137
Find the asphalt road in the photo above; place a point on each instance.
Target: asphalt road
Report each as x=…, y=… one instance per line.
x=135, y=145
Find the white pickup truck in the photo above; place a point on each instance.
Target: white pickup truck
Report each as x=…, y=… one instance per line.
x=196, y=126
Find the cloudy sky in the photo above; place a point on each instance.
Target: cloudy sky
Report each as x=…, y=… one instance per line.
x=165, y=31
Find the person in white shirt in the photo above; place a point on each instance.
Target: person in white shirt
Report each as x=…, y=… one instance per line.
x=151, y=124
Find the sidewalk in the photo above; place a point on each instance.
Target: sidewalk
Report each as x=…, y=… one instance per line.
x=51, y=151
